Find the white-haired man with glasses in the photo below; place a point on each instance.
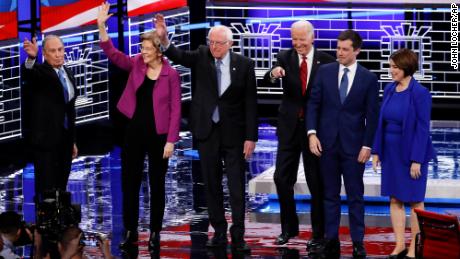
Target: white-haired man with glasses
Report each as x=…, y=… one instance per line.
x=223, y=120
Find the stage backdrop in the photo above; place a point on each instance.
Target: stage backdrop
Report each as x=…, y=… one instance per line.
x=139, y=7
x=65, y=14
x=8, y=19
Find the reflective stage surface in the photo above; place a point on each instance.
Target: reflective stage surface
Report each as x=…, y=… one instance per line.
x=95, y=184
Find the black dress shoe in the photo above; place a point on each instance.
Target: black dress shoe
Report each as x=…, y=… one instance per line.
x=409, y=257
x=330, y=249
x=241, y=247
x=154, y=241
x=218, y=240
x=130, y=239
x=283, y=238
x=359, y=251
x=400, y=255
x=314, y=246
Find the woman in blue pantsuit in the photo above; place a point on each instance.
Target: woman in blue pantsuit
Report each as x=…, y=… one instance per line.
x=403, y=146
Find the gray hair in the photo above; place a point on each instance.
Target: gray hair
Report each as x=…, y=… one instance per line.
x=49, y=37
x=228, y=32
x=306, y=25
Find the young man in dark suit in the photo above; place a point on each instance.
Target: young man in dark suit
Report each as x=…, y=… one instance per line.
x=52, y=90
x=223, y=119
x=341, y=121
x=297, y=68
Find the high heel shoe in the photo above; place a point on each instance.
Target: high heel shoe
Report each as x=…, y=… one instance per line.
x=130, y=239
x=400, y=255
x=154, y=241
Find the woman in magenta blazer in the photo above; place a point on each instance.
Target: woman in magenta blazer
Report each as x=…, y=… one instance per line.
x=403, y=145
x=151, y=100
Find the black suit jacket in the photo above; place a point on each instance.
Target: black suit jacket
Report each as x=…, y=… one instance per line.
x=237, y=105
x=293, y=101
x=47, y=106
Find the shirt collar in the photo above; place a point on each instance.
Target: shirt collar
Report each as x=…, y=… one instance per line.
x=352, y=68
x=309, y=55
x=225, y=60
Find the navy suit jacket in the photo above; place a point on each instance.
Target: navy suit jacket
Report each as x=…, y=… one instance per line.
x=416, y=142
x=353, y=123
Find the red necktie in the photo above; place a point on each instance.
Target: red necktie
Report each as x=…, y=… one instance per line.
x=304, y=74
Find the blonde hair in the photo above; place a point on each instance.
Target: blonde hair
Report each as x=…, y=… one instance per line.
x=153, y=37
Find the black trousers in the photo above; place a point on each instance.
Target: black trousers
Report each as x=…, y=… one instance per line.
x=137, y=145
x=213, y=152
x=285, y=177
x=52, y=167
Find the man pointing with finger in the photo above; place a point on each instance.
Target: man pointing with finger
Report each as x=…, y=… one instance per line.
x=297, y=67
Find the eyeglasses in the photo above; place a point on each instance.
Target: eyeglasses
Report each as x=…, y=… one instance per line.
x=217, y=43
x=142, y=48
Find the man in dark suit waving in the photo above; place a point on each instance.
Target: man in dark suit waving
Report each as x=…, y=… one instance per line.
x=51, y=87
x=223, y=119
x=297, y=67
x=341, y=122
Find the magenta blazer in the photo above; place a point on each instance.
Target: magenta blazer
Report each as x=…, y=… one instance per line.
x=166, y=92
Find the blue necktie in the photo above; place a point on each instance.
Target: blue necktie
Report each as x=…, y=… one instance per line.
x=66, y=94
x=215, y=114
x=344, y=85
x=64, y=84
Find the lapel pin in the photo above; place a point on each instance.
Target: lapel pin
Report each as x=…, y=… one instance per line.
x=234, y=69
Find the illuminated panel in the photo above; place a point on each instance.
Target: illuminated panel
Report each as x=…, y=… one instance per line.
x=426, y=31
x=8, y=19
x=343, y=1
x=90, y=67
x=65, y=14
x=10, y=92
x=140, y=7
x=177, y=19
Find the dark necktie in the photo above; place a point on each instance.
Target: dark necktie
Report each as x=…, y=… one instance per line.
x=215, y=114
x=304, y=74
x=344, y=85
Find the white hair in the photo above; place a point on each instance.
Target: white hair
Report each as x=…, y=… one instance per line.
x=306, y=25
x=49, y=37
x=228, y=32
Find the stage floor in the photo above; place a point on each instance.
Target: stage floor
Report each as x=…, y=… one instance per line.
x=95, y=184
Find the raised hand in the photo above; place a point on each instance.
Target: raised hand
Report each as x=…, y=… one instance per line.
x=31, y=47
x=103, y=14
x=160, y=27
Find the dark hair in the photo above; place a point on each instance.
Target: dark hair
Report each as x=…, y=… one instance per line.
x=406, y=60
x=10, y=222
x=352, y=35
x=68, y=235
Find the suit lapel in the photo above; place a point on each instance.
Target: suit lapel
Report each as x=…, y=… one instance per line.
x=233, y=65
x=294, y=60
x=354, y=86
x=59, y=85
x=233, y=73
x=315, y=64
x=213, y=75
x=335, y=83
x=72, y=80
x=52, y=72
